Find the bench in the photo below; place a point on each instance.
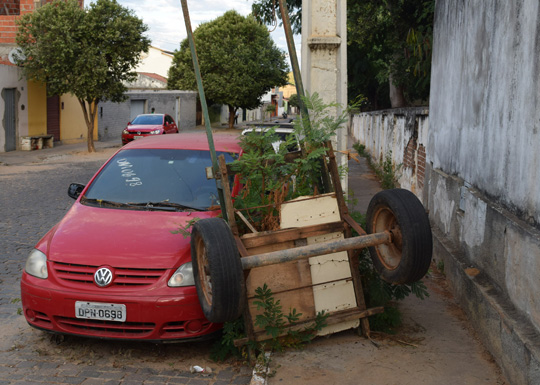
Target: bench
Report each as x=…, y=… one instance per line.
x=36, y=142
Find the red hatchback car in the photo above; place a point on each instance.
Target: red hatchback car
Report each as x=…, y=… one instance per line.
x=115, y=266
x=149, y=124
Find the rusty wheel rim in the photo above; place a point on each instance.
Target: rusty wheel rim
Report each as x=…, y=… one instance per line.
x=203, y=272
x=389, y=254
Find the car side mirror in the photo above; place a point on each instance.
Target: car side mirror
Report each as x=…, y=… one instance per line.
x=75, y=189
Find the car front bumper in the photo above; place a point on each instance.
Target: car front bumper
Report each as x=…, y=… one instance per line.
x=154, y=318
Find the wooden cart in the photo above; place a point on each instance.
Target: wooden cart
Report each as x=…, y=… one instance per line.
x=310, y=264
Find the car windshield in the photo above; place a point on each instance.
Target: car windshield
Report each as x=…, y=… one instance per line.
x=148, y=119
x=156, y=179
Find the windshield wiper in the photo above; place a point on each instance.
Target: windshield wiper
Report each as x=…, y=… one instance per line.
x=163, y=205
x=104, y=202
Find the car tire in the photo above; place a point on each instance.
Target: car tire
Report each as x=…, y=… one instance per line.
x=408, y=257
x=217, y=269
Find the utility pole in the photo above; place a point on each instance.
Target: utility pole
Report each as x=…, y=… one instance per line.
x=324, y=59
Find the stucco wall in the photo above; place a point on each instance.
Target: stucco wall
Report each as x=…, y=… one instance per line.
x=483, y=171
x=401, y=134
x=181, y=105
x=485, y=99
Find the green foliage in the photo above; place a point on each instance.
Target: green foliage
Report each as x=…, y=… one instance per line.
x=387, y=173
x=225, y=348
x=389, y=39
x=185, y=230
x=276, y=325
x=239, y=62
x=293, y=100
x=275, y=322
x=87, y=53
x=267, y=12
x=269, y=179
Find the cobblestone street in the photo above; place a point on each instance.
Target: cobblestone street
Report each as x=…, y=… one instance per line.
x=33, y=197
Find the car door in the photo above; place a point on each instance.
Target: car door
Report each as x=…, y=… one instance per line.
x=171, y=126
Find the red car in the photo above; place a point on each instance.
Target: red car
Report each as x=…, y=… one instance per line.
x=149, y=124
x=115, y=266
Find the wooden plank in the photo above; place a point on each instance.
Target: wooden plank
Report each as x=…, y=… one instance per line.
x=335, y=318
x=290, y=283
x=283, y=235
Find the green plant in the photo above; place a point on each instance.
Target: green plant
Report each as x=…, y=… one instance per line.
x=387, y=173
x=276, y=324
x=185, y=230
x=269, y=179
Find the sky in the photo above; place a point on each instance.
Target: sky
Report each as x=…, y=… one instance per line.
x=166, y=21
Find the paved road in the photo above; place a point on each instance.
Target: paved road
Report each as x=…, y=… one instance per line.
x=32, y=199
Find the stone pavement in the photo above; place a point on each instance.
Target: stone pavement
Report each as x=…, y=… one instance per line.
x=33, y=197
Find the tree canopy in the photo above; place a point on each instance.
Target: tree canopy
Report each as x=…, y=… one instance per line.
x=389, y=48
x=86, y=53
x=267, y=12
x=389, y=51
x=239, y=62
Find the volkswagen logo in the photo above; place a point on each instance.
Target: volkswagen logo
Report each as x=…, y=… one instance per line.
x=138, y=133
x=103, y=277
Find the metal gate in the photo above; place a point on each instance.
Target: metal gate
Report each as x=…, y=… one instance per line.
x=10, y=119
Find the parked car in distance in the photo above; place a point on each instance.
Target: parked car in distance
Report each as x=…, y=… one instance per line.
x=117, y=266
x=149, y=124
x=283, y=134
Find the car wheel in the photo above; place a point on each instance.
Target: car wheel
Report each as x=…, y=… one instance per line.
x=219, y=277
x=408, y=257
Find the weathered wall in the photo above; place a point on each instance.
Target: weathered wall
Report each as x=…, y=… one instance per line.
x=483, y=176
x=181, y=105
x=401, y=134
x=10, y=79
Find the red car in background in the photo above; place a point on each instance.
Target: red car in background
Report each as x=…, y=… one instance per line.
x=115, y=266
x=149, y=124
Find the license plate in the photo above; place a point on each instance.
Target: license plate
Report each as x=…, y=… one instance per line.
x=138, y=137
x=100, y=311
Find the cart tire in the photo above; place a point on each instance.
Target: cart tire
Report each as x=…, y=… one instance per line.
x=408, y=257
x=217, y=269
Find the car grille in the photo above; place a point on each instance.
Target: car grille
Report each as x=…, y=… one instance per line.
x=106, y=328
x=84, y=274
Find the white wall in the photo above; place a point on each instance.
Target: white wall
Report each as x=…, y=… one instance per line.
x=155, y=61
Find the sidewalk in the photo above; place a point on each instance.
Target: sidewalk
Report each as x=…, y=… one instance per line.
x=436, y=345
x=14, y=158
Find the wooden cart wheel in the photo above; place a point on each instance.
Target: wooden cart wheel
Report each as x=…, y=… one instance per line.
x=218, y=273
x=408, y=257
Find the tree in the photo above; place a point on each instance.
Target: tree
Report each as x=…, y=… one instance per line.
x=389, y=47
x=267, y=12
x=390, y=43
x=238, y=60
x=86, y=53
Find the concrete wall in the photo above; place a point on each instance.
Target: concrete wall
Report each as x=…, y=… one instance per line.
x=73, y=127
x=401, y=134
x=483, y=174
x=113, y=117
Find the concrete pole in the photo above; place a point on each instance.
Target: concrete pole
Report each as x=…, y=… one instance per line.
x=324, y=59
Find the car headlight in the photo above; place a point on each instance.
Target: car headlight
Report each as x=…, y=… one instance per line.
x=36, y=264
x=155, y=132
x=183, y=276
x=125, y=132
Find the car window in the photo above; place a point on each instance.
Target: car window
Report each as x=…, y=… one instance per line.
x=148, y=119
x=157, y=175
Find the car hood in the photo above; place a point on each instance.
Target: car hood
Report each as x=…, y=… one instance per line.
x=120, y=238
x=144, y=127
